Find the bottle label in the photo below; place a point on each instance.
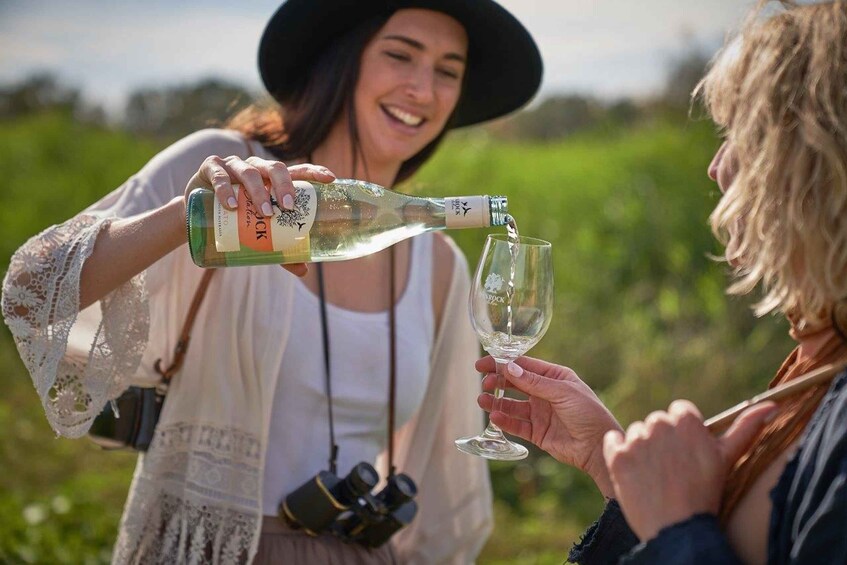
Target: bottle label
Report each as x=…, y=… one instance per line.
x=467, y=212
x=287, y=231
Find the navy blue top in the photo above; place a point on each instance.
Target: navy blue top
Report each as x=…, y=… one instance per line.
x=808, y=520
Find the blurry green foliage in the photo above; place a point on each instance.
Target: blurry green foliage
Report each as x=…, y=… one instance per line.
x=640, y=312
x=60, y=500
x=175, y=111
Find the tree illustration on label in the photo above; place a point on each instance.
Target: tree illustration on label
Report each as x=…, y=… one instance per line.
x=297, y=216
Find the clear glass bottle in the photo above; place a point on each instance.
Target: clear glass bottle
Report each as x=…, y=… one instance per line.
x=341, y=220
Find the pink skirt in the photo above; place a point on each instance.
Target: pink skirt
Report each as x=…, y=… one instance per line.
x=280, y=544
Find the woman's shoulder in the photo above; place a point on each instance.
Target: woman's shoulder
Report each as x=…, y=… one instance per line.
x=446, y=259
x=220, y=137
x=808, y=514
x=837, y=398
x=171, y=168
x=447, y=262
x=446, y=252
x=828, y=429
x=207, y=142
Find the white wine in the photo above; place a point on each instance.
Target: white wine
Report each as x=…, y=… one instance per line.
x=514, y=238
x=341, y=220
x=504, y=347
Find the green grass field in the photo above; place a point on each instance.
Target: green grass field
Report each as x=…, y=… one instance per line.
x=640, y=312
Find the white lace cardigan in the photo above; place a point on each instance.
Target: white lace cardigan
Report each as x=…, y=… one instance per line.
x=196, y=494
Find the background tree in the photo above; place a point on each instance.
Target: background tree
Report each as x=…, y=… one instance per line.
x=175, y=111
x=38, y=92
x=683, y=75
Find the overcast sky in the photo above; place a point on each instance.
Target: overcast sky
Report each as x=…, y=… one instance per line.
x=107, y=48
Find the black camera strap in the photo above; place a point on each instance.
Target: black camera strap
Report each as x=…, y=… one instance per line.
x=392, y=366
x=392, y=362
x=333, y=447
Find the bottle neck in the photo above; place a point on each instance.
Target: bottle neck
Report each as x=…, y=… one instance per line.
x=499, y=210
x=475, y=211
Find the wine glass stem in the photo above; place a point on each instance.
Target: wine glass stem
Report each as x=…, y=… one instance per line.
x=493, y=431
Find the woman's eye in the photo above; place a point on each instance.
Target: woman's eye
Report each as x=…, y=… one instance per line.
x=398, y=56
x=449, y=73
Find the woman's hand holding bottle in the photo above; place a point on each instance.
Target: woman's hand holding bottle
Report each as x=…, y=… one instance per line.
x=562, y=415
x=261, y=179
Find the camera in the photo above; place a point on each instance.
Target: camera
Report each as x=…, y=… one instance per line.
x=129, y=421
x=373, y=519
x=316, y=504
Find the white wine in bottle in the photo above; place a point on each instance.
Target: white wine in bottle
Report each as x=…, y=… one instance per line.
x=341, y=220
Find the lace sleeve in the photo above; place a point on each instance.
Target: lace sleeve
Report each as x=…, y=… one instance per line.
x=41, y=305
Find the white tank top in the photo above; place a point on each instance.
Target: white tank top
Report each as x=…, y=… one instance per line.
x=298, y=440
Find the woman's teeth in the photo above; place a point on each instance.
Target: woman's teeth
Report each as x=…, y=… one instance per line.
x=405, y=117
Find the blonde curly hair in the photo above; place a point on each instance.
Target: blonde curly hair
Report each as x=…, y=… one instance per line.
x=778, y=90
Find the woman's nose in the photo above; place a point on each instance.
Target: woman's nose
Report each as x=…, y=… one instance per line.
x=421, y=87
x=713, y=170
x=716, y=161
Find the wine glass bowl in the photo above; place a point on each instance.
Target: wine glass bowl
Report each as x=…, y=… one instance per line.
x=511, y=302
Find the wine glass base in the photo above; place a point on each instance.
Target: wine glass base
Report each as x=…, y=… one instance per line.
x=496, y=449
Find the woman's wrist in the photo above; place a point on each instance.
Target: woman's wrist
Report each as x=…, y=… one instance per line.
x=176, y=209
x=596, y=469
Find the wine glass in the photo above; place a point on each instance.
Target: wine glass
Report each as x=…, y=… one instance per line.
x=511, y=303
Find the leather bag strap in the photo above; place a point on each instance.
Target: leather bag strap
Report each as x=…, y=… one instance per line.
x=185, y=336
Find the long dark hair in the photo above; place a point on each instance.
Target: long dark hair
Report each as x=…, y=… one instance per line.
x=293, y=128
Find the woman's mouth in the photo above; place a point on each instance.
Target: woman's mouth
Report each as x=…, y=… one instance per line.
x=402, y=116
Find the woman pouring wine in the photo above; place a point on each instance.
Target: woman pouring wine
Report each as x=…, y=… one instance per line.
x=368, y=92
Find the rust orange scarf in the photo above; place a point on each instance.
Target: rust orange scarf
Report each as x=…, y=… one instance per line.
x=789, y=424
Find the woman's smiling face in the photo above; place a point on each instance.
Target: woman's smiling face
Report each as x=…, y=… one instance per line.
x=410, y=81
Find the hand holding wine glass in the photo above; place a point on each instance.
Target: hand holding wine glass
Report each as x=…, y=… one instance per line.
x=561, y=414
x=510, y=305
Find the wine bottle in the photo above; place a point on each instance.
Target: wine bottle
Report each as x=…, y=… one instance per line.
x=341, y=220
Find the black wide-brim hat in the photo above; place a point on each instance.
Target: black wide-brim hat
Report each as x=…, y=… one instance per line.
x=504, y=65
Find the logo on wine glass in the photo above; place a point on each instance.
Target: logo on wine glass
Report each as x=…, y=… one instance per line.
x=493, y=284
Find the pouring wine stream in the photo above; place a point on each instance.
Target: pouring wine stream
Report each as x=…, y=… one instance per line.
x=514, y=248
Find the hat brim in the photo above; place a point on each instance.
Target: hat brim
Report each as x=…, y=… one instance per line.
x=504, y=65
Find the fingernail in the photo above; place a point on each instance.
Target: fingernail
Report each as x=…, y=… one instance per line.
x=288, y=202
x=266, y=209
x=233, y=203
x=514, y=370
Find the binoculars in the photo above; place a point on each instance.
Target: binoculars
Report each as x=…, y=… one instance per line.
x=347, y=508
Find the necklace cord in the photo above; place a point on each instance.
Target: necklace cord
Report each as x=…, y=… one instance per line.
x=333, y=447
x=392, y=367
